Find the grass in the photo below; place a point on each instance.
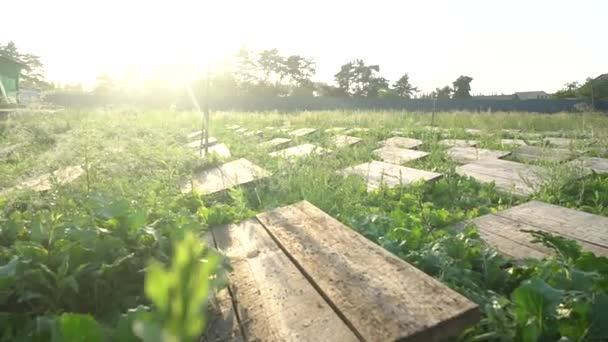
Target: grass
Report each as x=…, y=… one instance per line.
x=134, y=161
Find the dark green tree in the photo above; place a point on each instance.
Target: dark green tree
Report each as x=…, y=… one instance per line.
x=403, y=88
x=442, y=93
x=569, y=91
x=462, y=87
x=359, y=80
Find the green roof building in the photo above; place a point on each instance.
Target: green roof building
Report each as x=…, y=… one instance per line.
x=10, y=71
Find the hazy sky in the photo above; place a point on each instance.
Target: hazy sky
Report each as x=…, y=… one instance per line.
x=505, y=46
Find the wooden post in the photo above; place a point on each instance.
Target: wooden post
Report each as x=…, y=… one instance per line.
x=433, y=115
x=206, y=112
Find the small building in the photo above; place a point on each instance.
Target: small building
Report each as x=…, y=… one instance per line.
x=531, y=95
x=10, y=72
x=28, y=96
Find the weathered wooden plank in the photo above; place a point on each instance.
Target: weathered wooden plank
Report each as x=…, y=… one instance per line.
x=465, y=155
x=274, y=300
x=302, y=132
x=513, y=142
x=276, y=142
x=562, y=142
x=473, y=131
x=299, y=151
x=511, y=131
x=346, y=140
x=588, y=165
x=512, y=177
x=584, y=227
x=233, y=127
x=398, y=156
x=458, y=143
x=383, y=297
x=535, y=153
x=241, y=130
x=356, y=130
x=197, y=143
x=254, y=133
x=223, y=324
x=225, y=176
x=220, y=149
x=377, y=173
x=45, y=182
x=400, y=142
x=242, y=171
x=194, y=134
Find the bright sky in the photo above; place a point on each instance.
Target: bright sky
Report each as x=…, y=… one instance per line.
x=505, y=46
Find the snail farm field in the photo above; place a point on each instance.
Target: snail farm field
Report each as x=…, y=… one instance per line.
x=108, y=231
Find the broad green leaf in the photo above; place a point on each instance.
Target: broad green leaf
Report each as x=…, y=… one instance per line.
x=535, y=301
x=79, y=328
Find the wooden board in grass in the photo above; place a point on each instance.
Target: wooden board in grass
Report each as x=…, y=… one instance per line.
x=345, y=140
x=546, y=154
x=511, y=177
x=378, y=173
x=503, y=229
x=273, y=299
x=276, y=142
x=382, y=297
x=458, y=143
x=220, y=149
x=302, y=132
x=395, y=155
x=513, y=142
x=241, y=130
x=565, y=142
x=473, y=131
x=356, y=130
x=299, y=151
x=254, y=133
x=402, y=142
x=511, y=131
x=194, y=134
x=197, y=143
x=225, y=176
x=233, y=127
x=588, y=165
x=465, y=155
x=45, y=182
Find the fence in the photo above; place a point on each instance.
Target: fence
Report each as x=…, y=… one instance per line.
x=326, y=103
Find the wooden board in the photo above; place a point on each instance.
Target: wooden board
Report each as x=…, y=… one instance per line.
x=473, y=131
x=194, y=134
x=197, y=143
x=299, y=151
x=382, y=297
x=563, y=142
x=233, y=127
x=225, y=176
x=219, y=149
x=45, y=182
x=458, y=143
x=254, y=133
x=302, y=132
x=511, y=131
x=276, y=142
x=274, y=300
x=402, y=142
x=513, y=142
x=512, y=177
x=398, y=156
x=465, y=155
x=589, y=165
x=504, y=228
x=346, y=140
x=535, y=153
x=376, y=173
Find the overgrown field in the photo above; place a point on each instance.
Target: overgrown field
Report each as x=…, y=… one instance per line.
x=115, y=253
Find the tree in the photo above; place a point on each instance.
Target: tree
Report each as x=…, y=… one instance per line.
x=569, y=91
x=359, y=80
x=33, y=73
x=462, y=87
x=403, y=88
x=442, y=93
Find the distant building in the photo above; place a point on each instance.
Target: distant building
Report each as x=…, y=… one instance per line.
x=531, y=95
x=10, y=72
x=494, y=97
